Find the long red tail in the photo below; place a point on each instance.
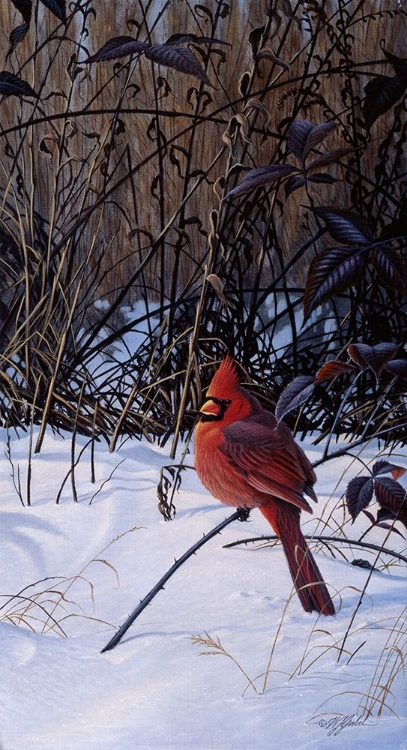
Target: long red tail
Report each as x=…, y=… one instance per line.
x=310, y=586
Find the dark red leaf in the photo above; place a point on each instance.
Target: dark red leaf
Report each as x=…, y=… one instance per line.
x=25, y=8
x=295, y=394
x=180, y=58
x=332, y=369
x=370, y=516
x=297, y=137
x=294, y=183
x=384, y=467
x=375, y=357
x=330, y=157
x=328, y=179
x=118, y=47
x=332, y=272
x=344, y=226
x=261, y=176
x=397, y=367
x=359, y=493
x=383, y=514
x=390, y=267
x=12, y=84
x=391, y=495
x=16, y=36
x=355, y=352
x=57, y=7
x=382, y=93
x=316, y=136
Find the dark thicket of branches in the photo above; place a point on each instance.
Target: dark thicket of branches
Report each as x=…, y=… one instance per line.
x=288, y=250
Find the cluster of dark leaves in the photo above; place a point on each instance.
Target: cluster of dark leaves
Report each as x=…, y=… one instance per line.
x=383, y=92
x=363, y=357
x=390, y=495
x=10, y=83
x=169, y=54
x=303, y=139
x=13, y=85
x=25, y=7
x=337, y=268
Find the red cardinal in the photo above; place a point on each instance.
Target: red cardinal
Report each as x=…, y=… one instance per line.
x=247, y=459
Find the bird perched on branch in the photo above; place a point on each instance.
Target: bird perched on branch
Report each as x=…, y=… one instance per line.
x=247, y=459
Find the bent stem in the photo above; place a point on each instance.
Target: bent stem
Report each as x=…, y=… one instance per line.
x=238, y=515
x=324, y=538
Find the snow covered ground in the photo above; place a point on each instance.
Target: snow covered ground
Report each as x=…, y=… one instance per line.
x=72, y=572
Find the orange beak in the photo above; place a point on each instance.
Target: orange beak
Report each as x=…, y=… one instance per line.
x=210, y=407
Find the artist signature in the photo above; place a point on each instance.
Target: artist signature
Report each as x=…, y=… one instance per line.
x=336, y=724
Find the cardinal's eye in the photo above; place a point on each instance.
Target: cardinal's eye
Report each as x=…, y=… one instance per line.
x=219, y=401
x=213, y=409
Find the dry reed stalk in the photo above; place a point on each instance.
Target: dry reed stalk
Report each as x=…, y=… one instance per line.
x=142, y=206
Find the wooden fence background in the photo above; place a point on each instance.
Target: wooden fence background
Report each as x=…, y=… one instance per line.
x=156, y=140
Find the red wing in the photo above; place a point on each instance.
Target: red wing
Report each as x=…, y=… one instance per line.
x=270, y=460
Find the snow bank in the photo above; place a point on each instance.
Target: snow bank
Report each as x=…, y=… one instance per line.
x=71, y=573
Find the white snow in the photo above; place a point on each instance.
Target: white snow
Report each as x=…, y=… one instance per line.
x=72, y=572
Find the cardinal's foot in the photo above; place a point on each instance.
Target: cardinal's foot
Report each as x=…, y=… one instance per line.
x=243, y=514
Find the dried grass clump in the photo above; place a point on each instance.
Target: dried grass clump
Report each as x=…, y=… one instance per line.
x=114, y=179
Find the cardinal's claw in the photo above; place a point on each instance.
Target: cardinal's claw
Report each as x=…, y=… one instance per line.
x=244, y=514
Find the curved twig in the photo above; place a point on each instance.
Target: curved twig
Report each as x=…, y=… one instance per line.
x=323, y=538
x=239, y=515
